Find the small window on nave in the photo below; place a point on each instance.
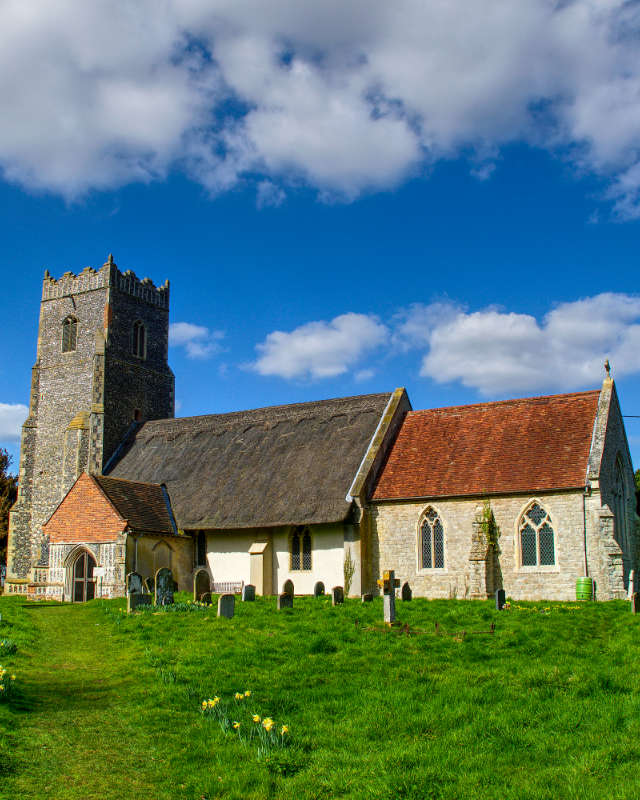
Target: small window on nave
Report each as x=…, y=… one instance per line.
x=431, y=541
x=300, y=549
x=69, y=334
x=139, y=343
x=537, y=538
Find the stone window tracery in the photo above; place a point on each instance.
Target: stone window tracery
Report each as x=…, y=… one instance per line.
x=431, y=541
x=69, y=335
x=537, y=538
x=139, y=345
x=300, y=549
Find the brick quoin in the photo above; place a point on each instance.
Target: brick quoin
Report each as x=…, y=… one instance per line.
x=85, y=515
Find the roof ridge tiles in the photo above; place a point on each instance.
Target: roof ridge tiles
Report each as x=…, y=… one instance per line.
x=511, y=401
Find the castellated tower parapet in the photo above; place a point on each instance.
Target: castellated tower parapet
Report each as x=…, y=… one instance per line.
x=101, y=369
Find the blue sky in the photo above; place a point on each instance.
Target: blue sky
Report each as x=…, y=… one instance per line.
x=340, y=207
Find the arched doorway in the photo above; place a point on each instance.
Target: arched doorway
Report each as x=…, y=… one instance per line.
x=84, y=584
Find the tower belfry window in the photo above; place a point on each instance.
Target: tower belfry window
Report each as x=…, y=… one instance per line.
x=139, y=340
x=69, y=334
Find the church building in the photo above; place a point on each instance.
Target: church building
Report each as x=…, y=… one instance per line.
x=527, y=495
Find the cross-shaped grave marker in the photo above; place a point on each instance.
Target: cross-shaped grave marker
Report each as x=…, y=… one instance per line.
x=389, y=583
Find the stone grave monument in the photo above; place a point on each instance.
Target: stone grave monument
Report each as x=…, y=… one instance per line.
x=337, y=595
x=248, y=593
x=405, y=593
x=149, y=585
x=635, y=603
x=285, y=600
x=164, y=587
x=136, y=599
x=226, y=605
x=500, y=599
x=201, y=584
x=134, y=583
x=288, y=588
x=206, y=598
x=318, y=589
x=388, y=583
x=367, y=598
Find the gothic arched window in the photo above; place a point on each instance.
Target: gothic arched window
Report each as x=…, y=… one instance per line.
x=537, y=538
x=69, y=334
x=139, y=340
x=431, y=541
x=300, y=551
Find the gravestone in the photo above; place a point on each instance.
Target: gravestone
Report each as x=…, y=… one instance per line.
x=632, y=580
x=226, y=605
x=367, y=598
x=337, y=595
x=500, y=599
x=288, y=588
x=135, y=599
x=318, y=589
x=134, y=583
x=406, y=592
x=149, y=585
x=201, y=584
x=164, y=587
x=206, y=598
x=248, y=593
x=635, y=603
x=285, y=600
x=388, y=583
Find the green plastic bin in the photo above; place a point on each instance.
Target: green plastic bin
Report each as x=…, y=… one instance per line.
x=584, y=589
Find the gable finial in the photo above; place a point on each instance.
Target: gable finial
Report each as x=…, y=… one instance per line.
x=110, y=259
x=607, y=368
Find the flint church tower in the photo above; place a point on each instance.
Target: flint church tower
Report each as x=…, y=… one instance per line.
x=101, y=369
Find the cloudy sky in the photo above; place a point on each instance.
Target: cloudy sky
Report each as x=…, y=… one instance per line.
x=346, y=196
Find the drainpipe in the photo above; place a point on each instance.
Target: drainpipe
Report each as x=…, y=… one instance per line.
x=584, y=530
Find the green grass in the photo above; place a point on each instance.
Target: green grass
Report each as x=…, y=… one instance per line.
x=108, y=706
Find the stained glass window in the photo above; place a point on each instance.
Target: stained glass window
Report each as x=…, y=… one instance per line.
x=537, y=538
x=69, y=334
x=432, y=541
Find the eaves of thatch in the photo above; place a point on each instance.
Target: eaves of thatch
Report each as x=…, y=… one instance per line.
x=283, y=465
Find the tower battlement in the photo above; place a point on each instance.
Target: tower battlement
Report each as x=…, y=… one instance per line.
x=106, y=276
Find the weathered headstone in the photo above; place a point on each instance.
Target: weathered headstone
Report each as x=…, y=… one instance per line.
x=500, y=599
x=337, y=595
x=632, y=580
x=285, y=600
x=388, y=583
x=318, y=589
x=149, y=585
x=367, y=598
x=135, y=599
x=201, y=584
x=206, y=598
x=248, y=593
x=164, y=587
x=405, y=593
x=635, y=603
x=288, y=588
x=134, y=583
x=226, y=605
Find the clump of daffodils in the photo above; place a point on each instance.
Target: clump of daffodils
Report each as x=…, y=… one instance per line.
x=6, y=683
x=263, y=730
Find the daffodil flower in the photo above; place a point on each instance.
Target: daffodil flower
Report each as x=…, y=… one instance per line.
x=247, y=693
x=284, y=729
x=267, y=723
x=236, y=725
x=256, y=718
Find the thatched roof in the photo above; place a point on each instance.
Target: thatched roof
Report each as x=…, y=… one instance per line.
x=283, y=465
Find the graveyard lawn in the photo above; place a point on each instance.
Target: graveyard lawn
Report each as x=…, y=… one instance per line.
x=108, y=705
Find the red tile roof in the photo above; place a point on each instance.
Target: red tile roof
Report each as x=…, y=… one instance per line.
x=514, y=446
x=143, y=505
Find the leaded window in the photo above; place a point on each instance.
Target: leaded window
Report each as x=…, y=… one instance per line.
x=301, y=549
x=139, y=339
x=69, y=334
x=432, y=541
x=537, y=538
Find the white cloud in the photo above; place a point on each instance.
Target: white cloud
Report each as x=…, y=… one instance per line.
x=364, y=375
x=320, y=349
x=343, y=95
x=498, y=352
x=12, y=415
x=269, y=195
x=197, y=340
